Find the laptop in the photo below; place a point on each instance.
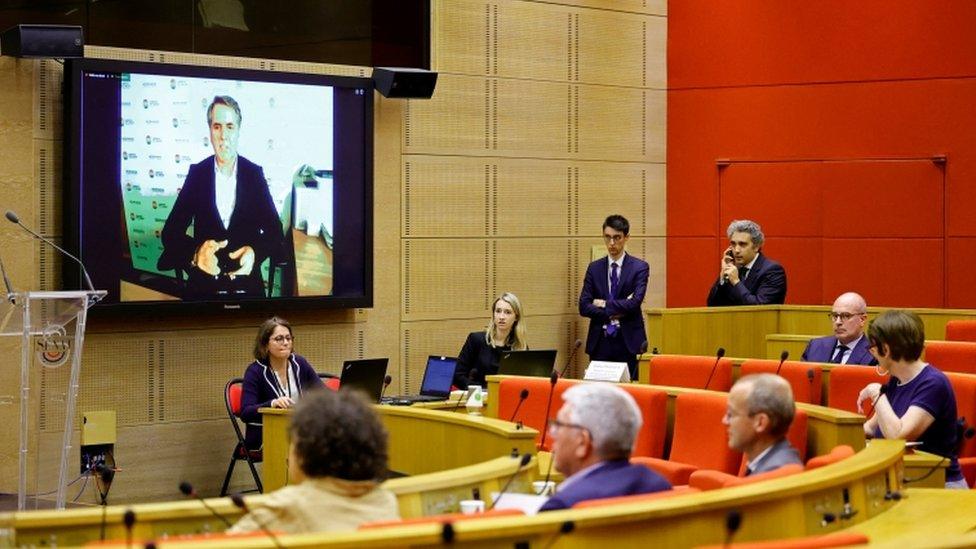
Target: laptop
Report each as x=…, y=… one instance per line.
x=536, y=363
x=436, y=385
x=365, y=375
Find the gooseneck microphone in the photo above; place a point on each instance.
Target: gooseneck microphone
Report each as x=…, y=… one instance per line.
x=526, y=458
x=187, y=490
x=129, y=520
x=782, y=358
x=522, y=396
x=471, y=373
x=386, y=383
x=238, y=501
x=733, y=519
x=718, y=356
x=569, y=360
x=553, y=377
x=12, y=217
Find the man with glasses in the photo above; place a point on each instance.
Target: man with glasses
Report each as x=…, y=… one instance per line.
x=612, y=294
x=848, y=344
x=747, y=276
x=592, y=437
x=760, y=411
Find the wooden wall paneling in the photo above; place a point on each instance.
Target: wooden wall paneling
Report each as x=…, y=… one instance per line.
x=445, y=196
x=554, y=332
x=535, y=269
x=532, y=41
x=438, y=337
x=531, y=118
x=461, y=36
x=649, y=7
x=455, y=120
x=620, y=124
x=635, y=190
x=191, y=374
x=445, y=278
x=636, y=57
x=533, y=198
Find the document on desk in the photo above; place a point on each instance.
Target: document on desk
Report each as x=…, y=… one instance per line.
x=527, y=503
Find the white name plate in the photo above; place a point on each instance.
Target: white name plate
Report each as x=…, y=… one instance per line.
x=601, y=370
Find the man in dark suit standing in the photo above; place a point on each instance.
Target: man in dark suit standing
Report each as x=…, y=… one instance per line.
x=235, y=225
x=760, y=411
x=848, y=344
x=746, y=276
x=611, y=298
x=592, y=437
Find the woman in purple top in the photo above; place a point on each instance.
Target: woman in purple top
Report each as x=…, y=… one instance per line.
x=917, y=403
x=276, y=378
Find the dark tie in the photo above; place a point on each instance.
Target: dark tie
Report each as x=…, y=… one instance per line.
x=841, y=349
x=743, y=271
x=613, y=279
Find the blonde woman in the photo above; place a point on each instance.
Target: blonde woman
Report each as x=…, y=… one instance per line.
x=483, y=349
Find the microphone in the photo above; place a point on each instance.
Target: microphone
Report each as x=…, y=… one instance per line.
x=12, y=217
x=733, y=519
x=471, y=373
x=718, y=356
x=522, y=396
x=782, y=358
x=238, y=501
x=129, y=520
x=553, y=377
x=526, y=458
x=187, y=489
x=569, y=360
x=6, y=282
x=386, y=383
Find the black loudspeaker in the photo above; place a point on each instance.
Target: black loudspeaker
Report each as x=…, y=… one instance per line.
x=62, y=41
x=404, y=83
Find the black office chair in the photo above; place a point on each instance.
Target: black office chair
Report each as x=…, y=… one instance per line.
x=232, y=400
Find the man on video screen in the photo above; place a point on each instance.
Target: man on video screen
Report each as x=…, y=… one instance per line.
x=235, y=225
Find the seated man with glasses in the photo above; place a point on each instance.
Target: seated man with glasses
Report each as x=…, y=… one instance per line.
x=613, y=290
x=760, y=411
x=592, y=437
x=848, y=344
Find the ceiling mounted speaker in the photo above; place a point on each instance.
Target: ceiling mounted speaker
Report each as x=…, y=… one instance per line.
x=402, y=83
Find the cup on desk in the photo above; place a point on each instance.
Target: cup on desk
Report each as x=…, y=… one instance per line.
x=544, y=487
x=472, y=506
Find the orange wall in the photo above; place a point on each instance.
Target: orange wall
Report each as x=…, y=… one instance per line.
x=851, y=131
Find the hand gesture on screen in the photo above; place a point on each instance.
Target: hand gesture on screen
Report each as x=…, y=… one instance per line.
x=245, y=254
x=205, y=257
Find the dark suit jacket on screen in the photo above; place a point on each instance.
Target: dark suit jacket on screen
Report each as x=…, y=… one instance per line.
x=254, y=222
x=611, y=479
x=764, y=285
x=631, y=288
x=822, y=350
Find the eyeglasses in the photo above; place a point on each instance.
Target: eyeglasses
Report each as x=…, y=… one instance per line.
x=729, y=414
x=282, y=339
x=554, y=425
x=615, y=238
x=844, y=317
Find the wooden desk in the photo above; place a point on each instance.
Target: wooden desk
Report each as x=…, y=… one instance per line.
x=420, y=441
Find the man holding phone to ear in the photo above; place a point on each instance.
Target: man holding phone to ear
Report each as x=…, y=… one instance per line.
x=746, y=276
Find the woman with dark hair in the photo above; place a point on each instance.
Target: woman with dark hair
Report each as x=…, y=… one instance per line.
x=337, y=460
x=276, y=378
x=917, y=403
x=483, y=349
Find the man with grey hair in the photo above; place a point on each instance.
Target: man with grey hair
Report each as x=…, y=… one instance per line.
x=592, y=437
x=746, y=276
x=759, y=413
x=848, y=345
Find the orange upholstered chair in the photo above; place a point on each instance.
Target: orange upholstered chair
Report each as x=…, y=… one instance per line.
x=706, y=479
x=804, y=378
x=700, y=440
x=840, y=452
x=637, y=498
x=952, y=356
x=691, y=371
x=441, y=519
x=964, y=388
x=532, y=413
x=838, y=539
x=961, y=330
x=846, y=382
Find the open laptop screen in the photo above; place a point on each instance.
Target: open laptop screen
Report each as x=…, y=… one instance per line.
x=438, y=376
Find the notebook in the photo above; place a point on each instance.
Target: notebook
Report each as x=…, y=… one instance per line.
x=365, y=375
x=436, y=385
